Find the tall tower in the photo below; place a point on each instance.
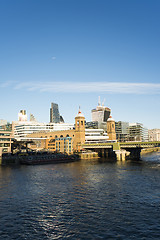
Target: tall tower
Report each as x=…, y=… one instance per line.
x=111, y=128
x=22, y=116
x=79, y=138
x=54, y=113
x=101, y=113
x=32, y=118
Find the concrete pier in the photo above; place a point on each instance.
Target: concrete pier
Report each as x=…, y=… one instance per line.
x=121, y=155
x=88, y=155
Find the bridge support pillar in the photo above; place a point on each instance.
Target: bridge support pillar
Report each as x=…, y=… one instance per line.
x=100, y=153
x=104, y=153
x=121, y=155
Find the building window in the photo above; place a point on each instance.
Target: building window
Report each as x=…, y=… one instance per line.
x=4, y=150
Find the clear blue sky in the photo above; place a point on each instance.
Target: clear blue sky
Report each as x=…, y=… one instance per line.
x=72, y=51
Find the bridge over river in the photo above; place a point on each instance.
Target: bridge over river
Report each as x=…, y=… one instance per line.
x=120, y=150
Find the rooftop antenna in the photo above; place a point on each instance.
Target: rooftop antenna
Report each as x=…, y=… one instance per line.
x=79, y=110
x=99, y=101
x=103, y=102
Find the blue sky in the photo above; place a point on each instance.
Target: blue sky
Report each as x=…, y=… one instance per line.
x=72, y=51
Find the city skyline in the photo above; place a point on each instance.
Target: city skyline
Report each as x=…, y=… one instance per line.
x=71, y=52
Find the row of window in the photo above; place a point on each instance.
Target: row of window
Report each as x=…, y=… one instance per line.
x=4, y=145
x=61, y=136
x=4, y=134
x=80, y=122
x=5, y=139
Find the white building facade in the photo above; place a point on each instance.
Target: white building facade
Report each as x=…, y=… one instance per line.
x=154, y=134
x=95, y=136
x=22, y=129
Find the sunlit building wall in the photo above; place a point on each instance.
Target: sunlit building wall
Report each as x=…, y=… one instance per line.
x=122, y=131
x=137, y=132
x=154, y=134
x=22, y=116
x=5, y=141
x=22, y=129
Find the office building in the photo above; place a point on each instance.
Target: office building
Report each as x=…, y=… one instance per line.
x=5, y=141
x=126, y=131
x=54, y=113
x=137, y=132
x=154, y=134
x=32, y=118
x=7, y=126
x=122, y=131
x=96, y=125
x=3, y=122
x=71, y=140
x=22, y=116
x=95, y=136
x=91, y=125
x=63, y=140
x=101, y=113
x=22, y=129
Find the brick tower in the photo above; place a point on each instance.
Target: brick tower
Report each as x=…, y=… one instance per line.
x=79, y=138
x=111, y=128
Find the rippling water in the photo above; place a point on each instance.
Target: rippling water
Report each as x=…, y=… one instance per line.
x=82, y=200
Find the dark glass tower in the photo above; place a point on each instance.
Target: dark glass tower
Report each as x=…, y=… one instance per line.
x=54, y=113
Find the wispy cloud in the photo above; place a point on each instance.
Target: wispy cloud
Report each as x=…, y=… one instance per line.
x=89, y=87
x=5, y=84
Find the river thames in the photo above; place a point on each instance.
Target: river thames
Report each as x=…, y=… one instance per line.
x=89, y=199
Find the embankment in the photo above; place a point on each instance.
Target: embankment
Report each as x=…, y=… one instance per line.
x=150, y=150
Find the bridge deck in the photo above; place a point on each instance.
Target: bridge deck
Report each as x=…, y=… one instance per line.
x=118, y=145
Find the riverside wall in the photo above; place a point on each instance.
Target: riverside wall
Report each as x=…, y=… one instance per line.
x=150, y=150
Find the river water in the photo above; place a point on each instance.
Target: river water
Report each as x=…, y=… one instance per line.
x=89, y=199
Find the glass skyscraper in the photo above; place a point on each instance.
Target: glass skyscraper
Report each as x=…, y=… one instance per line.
x=54, y=113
